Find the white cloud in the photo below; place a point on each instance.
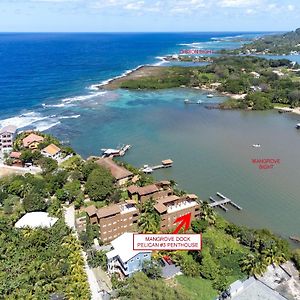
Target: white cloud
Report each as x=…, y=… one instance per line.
x=135, y=5
x=250, y=11
x=239, y=3
x=291, y=7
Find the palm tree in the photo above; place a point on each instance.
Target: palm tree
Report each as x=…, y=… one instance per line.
x=253, y=265
x=208, y=214
x=148, y=223
x=273, y=256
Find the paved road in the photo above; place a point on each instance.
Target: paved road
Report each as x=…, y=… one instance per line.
x=94, y=287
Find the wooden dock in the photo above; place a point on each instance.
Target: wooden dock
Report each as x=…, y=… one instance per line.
x=221, y=203
x=168, y=163
x=120, y=151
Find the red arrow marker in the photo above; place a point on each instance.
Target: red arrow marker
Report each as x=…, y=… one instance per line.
x=184, y=221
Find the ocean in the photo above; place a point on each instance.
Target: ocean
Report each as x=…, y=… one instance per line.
x=47, y=82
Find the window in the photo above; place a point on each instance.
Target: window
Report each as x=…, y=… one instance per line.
x=145, y=255
x=137, y=258
x=131, y=260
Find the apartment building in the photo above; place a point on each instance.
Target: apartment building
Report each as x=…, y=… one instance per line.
x=7, y=136
x=114, y=219
x=154, y=191
x=172, y=207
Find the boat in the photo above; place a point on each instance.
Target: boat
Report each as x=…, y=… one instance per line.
x=256, y=145
x=186, y=100
x=210, y=96
x=199, y=101
x=298, y=126
x=295, y=239
x=147, y=170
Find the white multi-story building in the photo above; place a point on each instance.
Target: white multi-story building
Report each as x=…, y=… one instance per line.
x=7, y=136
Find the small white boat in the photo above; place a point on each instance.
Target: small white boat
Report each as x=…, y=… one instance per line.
x=199, y=101
x=186, y=100
x=147, y=170
x=210, y=96
x=108, y=152
x=298, y=126
x=256, y=145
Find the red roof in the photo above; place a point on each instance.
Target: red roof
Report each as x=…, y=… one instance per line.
x=31, y=138
x=15, y=155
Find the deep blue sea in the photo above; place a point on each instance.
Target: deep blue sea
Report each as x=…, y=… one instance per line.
x=47, y=82
x=59, y=69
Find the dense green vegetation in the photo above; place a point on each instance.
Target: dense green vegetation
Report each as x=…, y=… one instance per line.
x=169, y=78
x=140, y=287
x=264, y=81
x=35, y=264
x=272, y=44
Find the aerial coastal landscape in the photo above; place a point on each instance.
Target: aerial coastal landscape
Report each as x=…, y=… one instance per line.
x=184, y=138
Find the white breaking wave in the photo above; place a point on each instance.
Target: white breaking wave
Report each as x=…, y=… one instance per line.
x=68, y=101
x=162, y=60
x=54, y=105
x=82, y=98
x=102, y=83
x=23, y=120
x=193, y=45
x=42, y=126
x=69, y=117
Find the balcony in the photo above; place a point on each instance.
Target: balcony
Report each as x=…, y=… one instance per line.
x=127, y=208
x=181, y=206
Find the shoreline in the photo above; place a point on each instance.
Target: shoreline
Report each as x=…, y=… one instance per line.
x=288, y=109
x=147, y=70
x=140, y=71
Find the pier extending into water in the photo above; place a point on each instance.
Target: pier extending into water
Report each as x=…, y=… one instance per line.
x=121, y=151
x=221, y=203
x=167, y=163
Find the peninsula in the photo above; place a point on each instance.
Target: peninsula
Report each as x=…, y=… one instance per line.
x=250, y=82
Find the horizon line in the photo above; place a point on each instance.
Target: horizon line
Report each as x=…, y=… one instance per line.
x=95, y=32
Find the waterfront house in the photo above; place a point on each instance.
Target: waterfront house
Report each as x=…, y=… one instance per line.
x=153, y=191
x=51, y=151
x=7, y=136
x=122, y=259
x=113, y=220
x=32, y=141
x=121, y=175
x=172, y=207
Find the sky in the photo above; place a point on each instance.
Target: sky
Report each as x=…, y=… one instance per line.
x=148, y=15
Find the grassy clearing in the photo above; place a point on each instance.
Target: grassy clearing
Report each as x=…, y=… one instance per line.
x=199, y=288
